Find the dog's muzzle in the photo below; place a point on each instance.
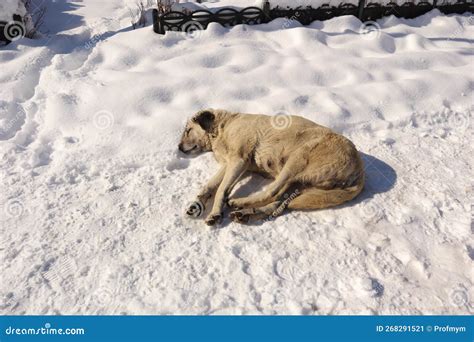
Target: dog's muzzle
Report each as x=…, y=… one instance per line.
x=181, y=148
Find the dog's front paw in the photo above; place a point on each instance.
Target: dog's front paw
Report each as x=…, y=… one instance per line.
x=195, y=209
x=213, y=219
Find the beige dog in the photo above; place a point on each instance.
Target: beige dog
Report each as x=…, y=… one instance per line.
x=312, y=166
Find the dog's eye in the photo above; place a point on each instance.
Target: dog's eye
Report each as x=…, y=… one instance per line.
x=186, y=132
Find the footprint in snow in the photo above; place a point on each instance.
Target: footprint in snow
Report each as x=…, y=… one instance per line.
x=177, y=164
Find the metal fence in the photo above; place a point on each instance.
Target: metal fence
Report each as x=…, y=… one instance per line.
x=179, y=21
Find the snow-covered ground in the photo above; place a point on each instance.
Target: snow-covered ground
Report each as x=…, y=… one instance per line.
x=212, y=5
x=10, y=7
x=93, y=188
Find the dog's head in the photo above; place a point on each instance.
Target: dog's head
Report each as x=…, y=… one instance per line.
x=197, y=134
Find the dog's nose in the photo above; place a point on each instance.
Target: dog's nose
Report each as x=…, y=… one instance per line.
x=180, y=147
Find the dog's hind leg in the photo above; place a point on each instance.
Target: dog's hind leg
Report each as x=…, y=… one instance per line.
x=244, y=215
x=263, y=197
x=271, y=210
x=274, y=190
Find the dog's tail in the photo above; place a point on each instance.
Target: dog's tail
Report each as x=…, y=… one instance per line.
x=314, y=198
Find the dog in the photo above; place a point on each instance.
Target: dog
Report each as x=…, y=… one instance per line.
x=312, y=167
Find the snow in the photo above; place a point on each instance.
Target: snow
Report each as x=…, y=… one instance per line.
x=94, y=189
x=239, y=4
x=215, y=5
x=10, y=7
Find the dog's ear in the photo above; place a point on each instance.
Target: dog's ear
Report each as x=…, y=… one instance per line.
x=205, y=119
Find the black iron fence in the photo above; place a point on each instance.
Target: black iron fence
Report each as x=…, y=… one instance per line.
x=180, y=21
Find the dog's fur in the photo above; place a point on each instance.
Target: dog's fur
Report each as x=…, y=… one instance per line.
x=312, y=166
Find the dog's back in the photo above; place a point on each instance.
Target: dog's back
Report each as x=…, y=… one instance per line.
x=298, y=152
